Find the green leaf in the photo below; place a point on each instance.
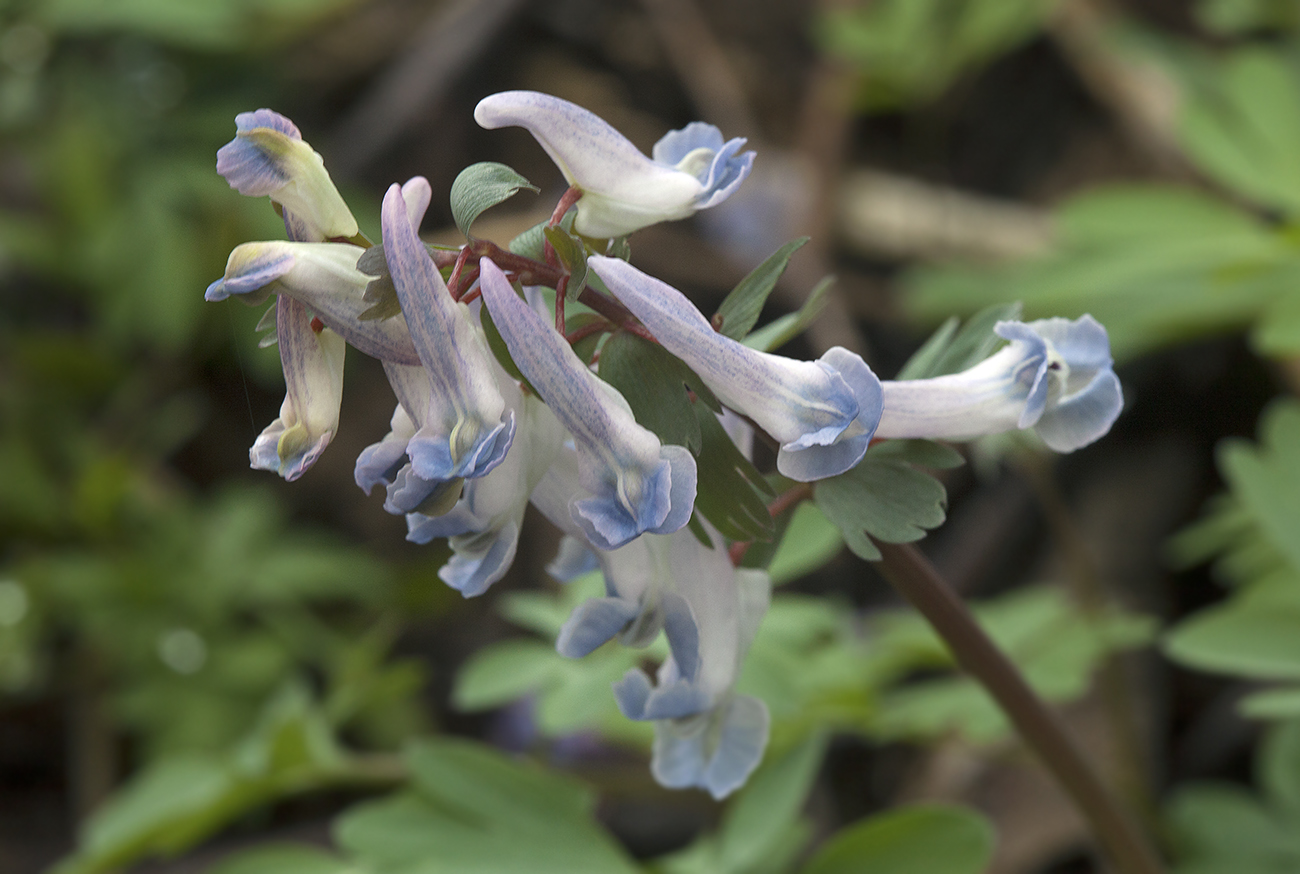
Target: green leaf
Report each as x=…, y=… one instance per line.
x=573, y=255
x=1044, y=632
x=781, y=331
x=1280, y=703
x=475, y=811
x=1223, y=828
x=654, y=383
x=881, y=498
x=1266, y=478
x=809, y=541
x=762, y=814
x=1244, y=128
x=1277, y=767
x=742, y=307
x=730, y=491
x=922, y=453
x=935, y=839
x=480, y=187
x=284, y=859
x=952, y=351
x=502, y=672
x=1154, y=265
x=1255, y=635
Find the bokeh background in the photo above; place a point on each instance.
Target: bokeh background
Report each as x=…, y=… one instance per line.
x=159, y=601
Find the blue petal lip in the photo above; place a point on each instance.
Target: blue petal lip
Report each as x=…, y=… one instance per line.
x=472, y=574
x=682, y=758
x=593, y=623
x=250, y=280
x=636, y=700
x=431, y=456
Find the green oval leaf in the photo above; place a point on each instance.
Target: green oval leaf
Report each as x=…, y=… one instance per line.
x=479, y=187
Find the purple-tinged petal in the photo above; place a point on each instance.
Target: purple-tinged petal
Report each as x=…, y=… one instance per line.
x=823, y=412
x=633, y=483
x=309, y=416
x=268, y=157
x=594, y=622
x=324, y=277
x=623, y=190
x=379, y=462
x=467, y=429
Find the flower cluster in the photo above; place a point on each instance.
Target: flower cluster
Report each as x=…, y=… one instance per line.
x=495, y=408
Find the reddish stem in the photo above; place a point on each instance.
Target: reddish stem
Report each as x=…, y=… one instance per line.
x=779, y=505
x=453, y=280
x=567, y=200
x=586, y=331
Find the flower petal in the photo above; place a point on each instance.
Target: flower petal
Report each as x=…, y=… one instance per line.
x=467, y=429
x=269, y=157
x=632, y=482
x=823, y=412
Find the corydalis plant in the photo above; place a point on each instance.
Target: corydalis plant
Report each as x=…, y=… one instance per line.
x=498, y=403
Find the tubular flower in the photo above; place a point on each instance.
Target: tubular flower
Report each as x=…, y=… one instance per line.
x=323, y=277
x=313, y=376
x=705, y=735
x=823, y=412
x=634, y=483
x=484, y=525
x=622, y=189
x=1054, y=376
x=466, y=429
x=268, y=156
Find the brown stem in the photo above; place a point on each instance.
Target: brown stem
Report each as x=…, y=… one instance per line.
x=1041, y=729
x=560, y=289
x=567, y=200
x=587, y=330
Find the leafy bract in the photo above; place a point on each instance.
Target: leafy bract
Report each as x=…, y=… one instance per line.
x=883, y=497
x=655, y=383
x=950, y=350
x=480, y=187
x=777, y=333
x=743, y=305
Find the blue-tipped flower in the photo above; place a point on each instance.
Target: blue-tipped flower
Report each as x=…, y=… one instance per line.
x=706, y=736
x=313, y=376
x=632, y=482
x=622, y=189
x=484, y=525
x=466, y=430
x=323, y=277
x=268, y=157
x=822, y=412
x=1054, y=376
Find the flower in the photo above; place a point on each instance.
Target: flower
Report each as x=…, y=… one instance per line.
x=324, y=277
x=466, y=429
x=823, y=412
x=269, y=157
x=634, y=484
x=1055, y=376
x=313, y=375
x=705, y=735
x=622, y=189
x=484, y=525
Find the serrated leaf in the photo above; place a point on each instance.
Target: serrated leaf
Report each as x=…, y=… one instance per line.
x=1266, y=478
x=881, y=498
x=654, y=382
x=931, y=838
x=572, y=254
x=781, y=331
x=480, y=187
x=951, y=351
x=740, y=310
x=730, y=492
x=922, y=453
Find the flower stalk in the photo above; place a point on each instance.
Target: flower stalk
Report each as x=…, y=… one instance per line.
x=917, y=580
